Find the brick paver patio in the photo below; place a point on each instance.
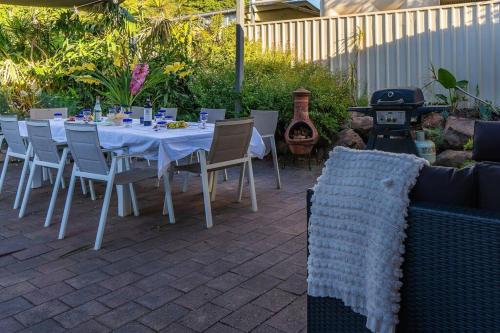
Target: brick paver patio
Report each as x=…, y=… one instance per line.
x=247, y=273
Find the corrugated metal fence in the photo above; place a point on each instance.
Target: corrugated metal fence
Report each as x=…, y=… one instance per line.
x=397, y=48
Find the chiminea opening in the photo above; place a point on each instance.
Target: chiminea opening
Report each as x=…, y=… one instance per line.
x=301, y=135
x=300, y=131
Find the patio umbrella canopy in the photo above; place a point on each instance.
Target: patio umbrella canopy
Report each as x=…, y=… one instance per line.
x=55, y=3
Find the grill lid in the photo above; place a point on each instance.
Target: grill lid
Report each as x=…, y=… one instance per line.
x=398, y=96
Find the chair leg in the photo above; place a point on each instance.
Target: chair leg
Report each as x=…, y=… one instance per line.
x=53, y=198
x=49, y=173
x=206, y=189
x=67, y=205
x=44, y=174
x=253, y=196
x=186, y=179
x=4, y=170
x=210, y=181
x=275, y=162
x=225, y=175
x=91, y=189
x=63, y=183
x=21, y=182
x=240, y=184
x=133, y=198
x=168, y=206
x=84, y=187
x=104, y=215
x=213, y=193
x=27, y=191
x=177, y=164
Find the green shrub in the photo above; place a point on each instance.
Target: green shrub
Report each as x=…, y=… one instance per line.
x=268, y=85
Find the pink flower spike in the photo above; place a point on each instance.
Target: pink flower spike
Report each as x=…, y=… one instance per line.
x=138, y=77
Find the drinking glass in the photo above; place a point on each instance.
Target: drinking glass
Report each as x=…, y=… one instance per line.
x=162, y=111
x=127, y=122
x=203, y=119
x=86, y=115
x=111, y=112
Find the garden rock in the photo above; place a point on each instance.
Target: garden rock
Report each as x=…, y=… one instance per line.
x=457, y=131
x=349, y=138
x=362, y=125
x=453, y=158
x=433, y=120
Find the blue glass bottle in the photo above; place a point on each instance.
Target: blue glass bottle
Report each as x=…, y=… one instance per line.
x=148, y=113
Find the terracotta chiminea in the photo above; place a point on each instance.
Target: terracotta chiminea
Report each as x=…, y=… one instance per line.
x=301, y=135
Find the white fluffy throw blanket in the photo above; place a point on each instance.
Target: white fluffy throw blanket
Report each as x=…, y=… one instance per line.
x=357, y=229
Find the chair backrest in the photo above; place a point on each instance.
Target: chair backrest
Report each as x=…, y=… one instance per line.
x=10, y=129
x=265, y=121
x=172, y=112
x=42, y=114
x=83, y=142
x=40, y=136
x=214, y=114
x=231, y=140
x=137, y=112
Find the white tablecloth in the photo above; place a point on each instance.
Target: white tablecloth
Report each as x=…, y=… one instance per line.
x=165, y=145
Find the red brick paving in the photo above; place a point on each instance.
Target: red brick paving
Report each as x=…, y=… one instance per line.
x=246, y=274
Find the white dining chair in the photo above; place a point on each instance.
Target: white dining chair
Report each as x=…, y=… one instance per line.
x=137, y=112
x=90, y=163
x=47, y=154
x=214, y=115
x=46, y=114
x=229, y=148
x=18, y=148
x=2, y=137
x=171, y=112
x=43, y=114
x=266, y=123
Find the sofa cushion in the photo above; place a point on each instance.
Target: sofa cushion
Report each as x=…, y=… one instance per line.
x=488, y=185
x=486, y=139
x=446, y=186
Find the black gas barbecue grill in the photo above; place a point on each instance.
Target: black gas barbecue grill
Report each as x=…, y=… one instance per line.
x=394, y=111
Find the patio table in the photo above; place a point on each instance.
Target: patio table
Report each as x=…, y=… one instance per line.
x=165, y=145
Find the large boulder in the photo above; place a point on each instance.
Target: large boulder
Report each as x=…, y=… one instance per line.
x=349, y=138
x=457, y=132
x=453, y=158
x=433, y=120
x=361, y=124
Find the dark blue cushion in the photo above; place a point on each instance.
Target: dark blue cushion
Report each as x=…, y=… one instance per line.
x=488, y=185
x=445, y=186
x=486, y=141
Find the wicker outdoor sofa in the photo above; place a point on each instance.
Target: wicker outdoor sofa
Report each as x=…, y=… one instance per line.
x=451, y=269
x=451, y=276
